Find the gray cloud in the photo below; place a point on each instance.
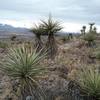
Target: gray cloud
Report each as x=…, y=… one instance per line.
x=81, y=11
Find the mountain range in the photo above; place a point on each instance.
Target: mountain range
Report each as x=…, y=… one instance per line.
x=8, y=30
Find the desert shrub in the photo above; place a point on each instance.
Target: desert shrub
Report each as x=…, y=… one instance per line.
x=89, y=82
x=97, y=53
x=90, y=38
x=23, y=65
x=65, y=39
x=70, y=36
x=13, y=37
x=3, y=44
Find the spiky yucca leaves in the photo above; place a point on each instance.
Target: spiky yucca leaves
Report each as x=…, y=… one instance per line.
x=51, y=27
x=37, y=30
x=23, y=65
x=89, y=81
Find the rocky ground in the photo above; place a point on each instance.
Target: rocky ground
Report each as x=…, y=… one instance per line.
x=71, y=56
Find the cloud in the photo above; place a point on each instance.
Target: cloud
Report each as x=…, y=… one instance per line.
x=19, y=23
x=68, y=11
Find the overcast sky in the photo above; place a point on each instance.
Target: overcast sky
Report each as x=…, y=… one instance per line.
x=72, y=13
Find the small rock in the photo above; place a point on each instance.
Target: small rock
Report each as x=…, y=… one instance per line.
x=29, y=98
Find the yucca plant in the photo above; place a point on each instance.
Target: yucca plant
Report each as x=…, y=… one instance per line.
x=51, y=27
x=37, y=30
x=84, y=29
x=23, y=65
x=89, y=82
x=91, y=26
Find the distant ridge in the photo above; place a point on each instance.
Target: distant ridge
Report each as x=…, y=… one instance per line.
x=8, y=30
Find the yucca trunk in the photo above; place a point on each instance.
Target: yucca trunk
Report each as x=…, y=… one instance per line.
x=29, y=91
x=32, y=91
x=51, y=46
x=38, y=43
x=25, y=92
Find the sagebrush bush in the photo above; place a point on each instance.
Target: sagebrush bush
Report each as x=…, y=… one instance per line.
x=65, y=39
x=3, y=44
x=90, y=38
x=13, y=37
x=98, y=55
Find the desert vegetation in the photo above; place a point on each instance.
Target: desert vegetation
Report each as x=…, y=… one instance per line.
x=89, y=36
x=38, y=31
x=51, y=67
x=89, y=82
